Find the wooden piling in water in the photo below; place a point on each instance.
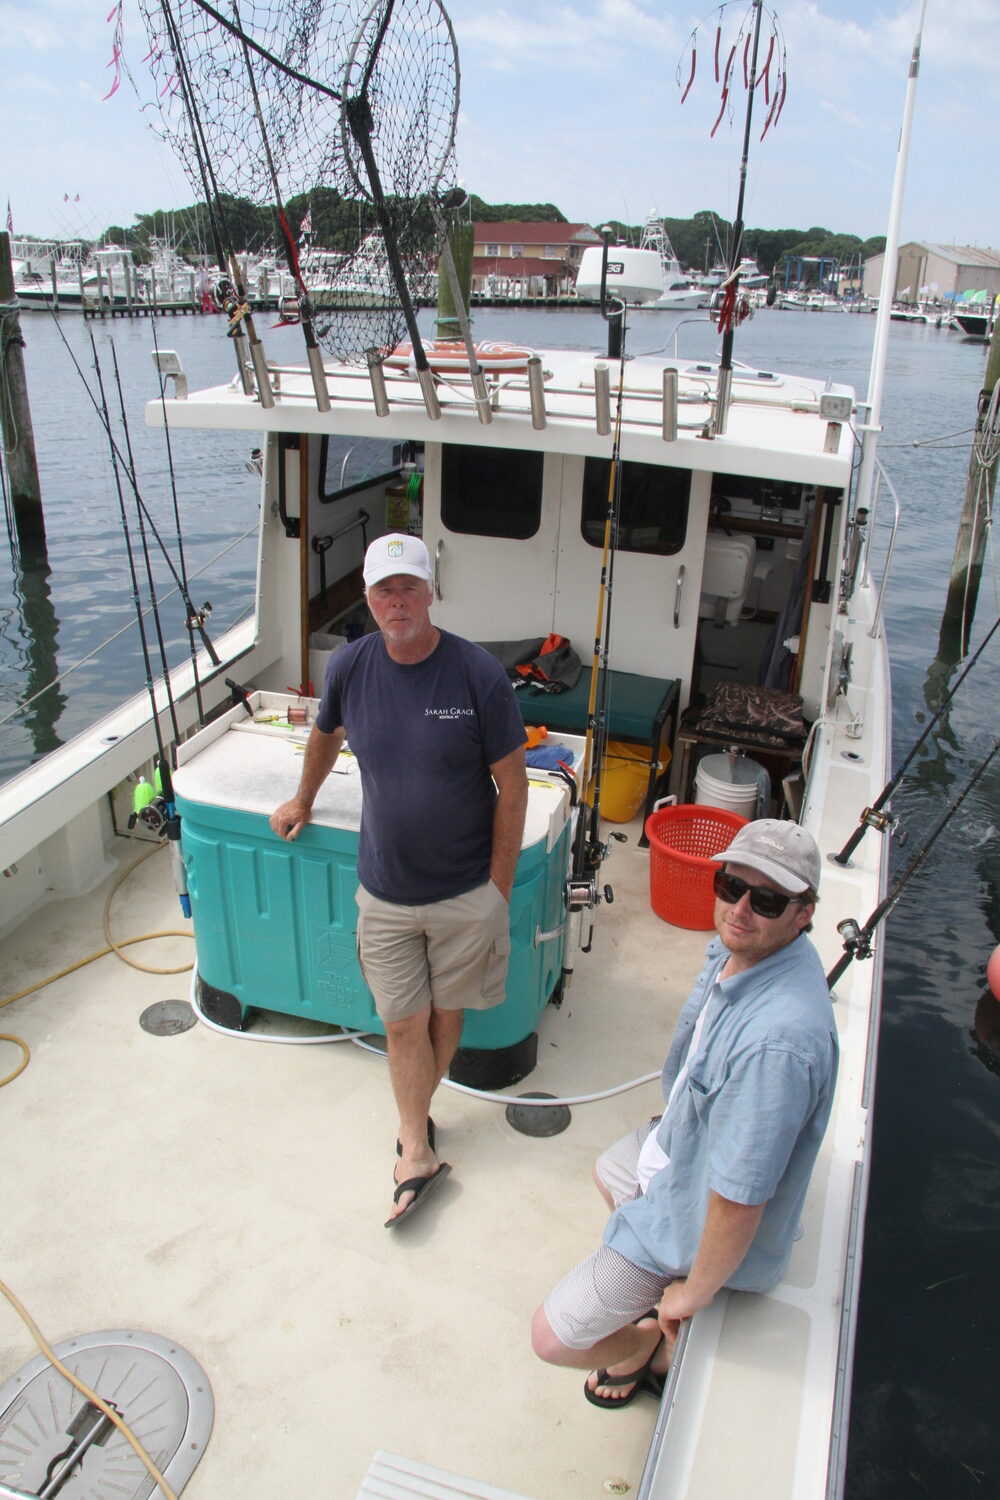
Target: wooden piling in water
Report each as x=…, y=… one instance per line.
x=973, y=528
x=15, y=413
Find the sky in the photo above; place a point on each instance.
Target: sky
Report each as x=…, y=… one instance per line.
x=577, y=103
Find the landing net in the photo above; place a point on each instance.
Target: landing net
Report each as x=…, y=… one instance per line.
x=255, y=99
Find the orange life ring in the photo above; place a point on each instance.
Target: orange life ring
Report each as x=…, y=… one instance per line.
x=451, y=355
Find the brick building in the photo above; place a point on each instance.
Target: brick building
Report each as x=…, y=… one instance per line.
x=517, y=259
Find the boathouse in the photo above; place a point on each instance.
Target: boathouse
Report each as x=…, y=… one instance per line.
x=936, y=272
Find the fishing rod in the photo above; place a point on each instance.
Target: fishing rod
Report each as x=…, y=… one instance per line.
x=150, y=581
x=728, y=314
x=230, y=289
x=157, y=811
x=195, y=618
x=874, y=817
x=206, y=608
x=588, y=851
x=857, y=940
x=314, y=354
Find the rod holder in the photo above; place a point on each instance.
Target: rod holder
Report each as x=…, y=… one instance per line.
x=264, y=391
x=481, y=393
x=380, y=396
x=669, y=406
x=536, y=394
x=429, y=393
x=242, y=362
x=602, y=399
x=315, y=356
x=723, y=397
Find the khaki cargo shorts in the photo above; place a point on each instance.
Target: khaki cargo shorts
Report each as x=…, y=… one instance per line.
x=450, y=954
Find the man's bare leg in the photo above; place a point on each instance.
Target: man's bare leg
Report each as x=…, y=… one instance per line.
x=620, y=1353
x=420, y=1049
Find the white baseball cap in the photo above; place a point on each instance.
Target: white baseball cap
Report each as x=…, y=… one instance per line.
x=396, y=553
x=779, y=849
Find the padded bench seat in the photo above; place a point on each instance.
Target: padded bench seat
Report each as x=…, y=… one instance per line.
x=637, y=709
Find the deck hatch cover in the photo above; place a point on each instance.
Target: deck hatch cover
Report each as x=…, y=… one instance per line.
x=160, y=1390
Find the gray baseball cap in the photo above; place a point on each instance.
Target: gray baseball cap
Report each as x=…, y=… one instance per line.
x=781, y=850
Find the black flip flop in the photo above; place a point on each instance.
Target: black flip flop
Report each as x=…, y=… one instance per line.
x=643, y=1379
x=420, y=1187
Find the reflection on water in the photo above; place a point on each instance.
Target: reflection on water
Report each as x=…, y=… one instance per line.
x=38, y=646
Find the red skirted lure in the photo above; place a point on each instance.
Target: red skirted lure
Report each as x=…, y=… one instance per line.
x=771, y=74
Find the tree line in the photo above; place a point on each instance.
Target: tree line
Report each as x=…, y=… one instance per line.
x=699, y=242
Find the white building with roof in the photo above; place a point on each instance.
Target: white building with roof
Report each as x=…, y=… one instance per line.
x=927, y=272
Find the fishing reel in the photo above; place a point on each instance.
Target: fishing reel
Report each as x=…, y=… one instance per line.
x=149, y=805
x=885, y=822
x=235, y=308
x=857, y=939
x=196, y=621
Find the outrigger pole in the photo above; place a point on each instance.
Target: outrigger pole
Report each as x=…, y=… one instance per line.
x=876, y=381
x=731, y=286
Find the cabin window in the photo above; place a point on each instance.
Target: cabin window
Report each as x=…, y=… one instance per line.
x=516, y=251
x=492, y=249
x=654, y=506
x=347, y=465
x=764, y=499
x=491, y=491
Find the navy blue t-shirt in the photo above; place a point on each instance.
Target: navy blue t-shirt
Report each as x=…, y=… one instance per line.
x=425, y=737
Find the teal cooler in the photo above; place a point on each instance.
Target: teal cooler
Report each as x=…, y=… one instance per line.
x=275, y=922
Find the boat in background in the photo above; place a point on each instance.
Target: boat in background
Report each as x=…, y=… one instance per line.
x=975, y=314
x=680, y=293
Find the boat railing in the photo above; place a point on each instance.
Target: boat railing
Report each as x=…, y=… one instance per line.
x=880, y=477
x=399, y=390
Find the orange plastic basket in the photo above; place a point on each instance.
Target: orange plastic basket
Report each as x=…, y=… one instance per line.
x=681, y=842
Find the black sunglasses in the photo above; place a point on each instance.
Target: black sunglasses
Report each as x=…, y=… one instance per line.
x=763, y=902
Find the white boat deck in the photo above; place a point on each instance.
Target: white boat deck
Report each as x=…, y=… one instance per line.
x=230, y=1195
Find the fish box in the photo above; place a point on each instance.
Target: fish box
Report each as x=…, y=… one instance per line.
x=275, y=922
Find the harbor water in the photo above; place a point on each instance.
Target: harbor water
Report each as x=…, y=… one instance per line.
x=922, y=1424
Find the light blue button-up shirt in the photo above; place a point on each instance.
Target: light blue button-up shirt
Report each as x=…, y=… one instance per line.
x=747, y=1122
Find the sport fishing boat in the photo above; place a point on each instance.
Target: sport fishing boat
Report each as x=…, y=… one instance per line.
x=199, y=1152
x=262, y=1254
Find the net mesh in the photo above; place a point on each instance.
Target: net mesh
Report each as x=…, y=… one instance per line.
x=257, y=101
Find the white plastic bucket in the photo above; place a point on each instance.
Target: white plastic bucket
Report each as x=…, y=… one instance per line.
x=719, y=783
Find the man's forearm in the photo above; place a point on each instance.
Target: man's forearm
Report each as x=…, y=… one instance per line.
x=320, y=758
x=727, y=1236
x=508, y=827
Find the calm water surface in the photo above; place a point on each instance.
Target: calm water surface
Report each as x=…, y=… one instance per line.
x=922, y=1421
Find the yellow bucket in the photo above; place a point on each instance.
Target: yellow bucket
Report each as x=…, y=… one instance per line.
x=624, y=779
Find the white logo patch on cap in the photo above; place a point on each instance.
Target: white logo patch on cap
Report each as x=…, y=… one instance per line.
x=396, y=547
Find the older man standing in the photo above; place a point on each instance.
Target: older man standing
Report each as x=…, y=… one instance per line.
x=708, y=1195
x=440, y=742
